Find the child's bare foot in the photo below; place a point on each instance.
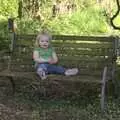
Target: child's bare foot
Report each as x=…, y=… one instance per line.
x=41, y=73
x=71, y=72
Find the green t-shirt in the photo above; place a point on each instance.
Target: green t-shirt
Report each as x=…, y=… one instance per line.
x=45, y=53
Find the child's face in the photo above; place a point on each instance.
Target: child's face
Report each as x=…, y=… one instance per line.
x=44, y=41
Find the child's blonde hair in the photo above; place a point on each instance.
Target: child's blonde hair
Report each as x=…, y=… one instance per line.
x=42, y=33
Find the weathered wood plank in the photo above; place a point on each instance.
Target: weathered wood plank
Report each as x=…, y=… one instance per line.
x=103, y=89
x=80, y=66
x=72, y=51
x=69, y=63
x=68, y=58
x=82, y=71
x=32, y=76
x=70, y=37
x=72, y=45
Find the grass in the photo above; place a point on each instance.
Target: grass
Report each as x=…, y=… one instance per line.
x=88, y=21
x=74, y=107
x=83, y=22
x=33, y=107
x=70, y=110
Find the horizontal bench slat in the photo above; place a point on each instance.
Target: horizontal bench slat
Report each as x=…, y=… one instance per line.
x=78, y=65
x=73, y=53
x=68, y=58
x=32, y=76
x=72, y=45
x=70, y=37
x=82, y=71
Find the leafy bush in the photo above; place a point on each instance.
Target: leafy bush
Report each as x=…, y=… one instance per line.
x=8, y=8
x=88, y=21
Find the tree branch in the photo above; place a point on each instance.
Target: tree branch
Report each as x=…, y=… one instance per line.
x=115, y=15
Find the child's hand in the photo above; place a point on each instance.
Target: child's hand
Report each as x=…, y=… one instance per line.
x=51, y=61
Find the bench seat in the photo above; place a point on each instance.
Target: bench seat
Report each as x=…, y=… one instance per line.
x=33, y=76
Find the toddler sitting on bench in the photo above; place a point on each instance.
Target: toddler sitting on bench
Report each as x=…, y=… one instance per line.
x=45, y=58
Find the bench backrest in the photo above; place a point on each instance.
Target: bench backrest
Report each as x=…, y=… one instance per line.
x=88, y=53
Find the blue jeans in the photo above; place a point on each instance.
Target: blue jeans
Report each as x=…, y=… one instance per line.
x=51, y=69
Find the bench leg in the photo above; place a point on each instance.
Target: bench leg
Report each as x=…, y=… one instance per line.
x=103, y=89
x=12, y=83
x=114, y=82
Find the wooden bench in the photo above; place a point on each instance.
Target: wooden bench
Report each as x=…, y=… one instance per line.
x=94, y=56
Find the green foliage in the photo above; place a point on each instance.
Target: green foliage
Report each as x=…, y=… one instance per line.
x=28, y=26
x=84, y=22
x=3, y=34
x=88, y=21
x=8, y=8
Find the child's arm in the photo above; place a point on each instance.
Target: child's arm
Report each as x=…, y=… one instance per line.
x=54, y=58
x=37, y=58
